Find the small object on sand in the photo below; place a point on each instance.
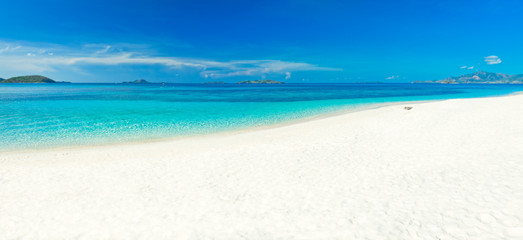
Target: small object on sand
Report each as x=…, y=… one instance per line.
x=407, y=108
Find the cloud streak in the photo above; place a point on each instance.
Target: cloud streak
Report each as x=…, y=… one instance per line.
x=467, y=67
x=492, y=60
x=392, y=77
x=32, y=59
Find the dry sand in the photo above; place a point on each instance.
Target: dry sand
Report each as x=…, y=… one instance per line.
x=443, y=170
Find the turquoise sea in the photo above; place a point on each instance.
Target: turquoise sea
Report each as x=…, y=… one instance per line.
x=50, y=115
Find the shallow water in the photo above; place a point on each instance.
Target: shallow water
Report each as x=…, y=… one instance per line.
x=50, y=115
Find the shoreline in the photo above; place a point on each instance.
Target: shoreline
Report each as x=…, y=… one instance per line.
x=226, y=132
x=239, y=130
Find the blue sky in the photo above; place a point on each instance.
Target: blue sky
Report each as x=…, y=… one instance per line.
x=294, y=41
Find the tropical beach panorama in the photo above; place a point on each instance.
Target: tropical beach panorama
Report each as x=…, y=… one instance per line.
x=162, y=120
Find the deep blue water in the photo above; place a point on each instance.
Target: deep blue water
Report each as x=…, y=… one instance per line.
x=49, y=115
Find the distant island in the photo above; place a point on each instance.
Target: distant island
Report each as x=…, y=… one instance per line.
x=480, y=77
x=214, y=82
x=139, y=81
x=29, y=79
x=268, y=81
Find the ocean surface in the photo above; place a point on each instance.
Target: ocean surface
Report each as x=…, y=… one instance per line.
x=51, y=115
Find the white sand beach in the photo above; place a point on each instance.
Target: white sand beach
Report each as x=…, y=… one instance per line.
x=443, y=170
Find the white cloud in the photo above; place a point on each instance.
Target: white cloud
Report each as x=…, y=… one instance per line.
x=253, y=67
x=8, y=49
x=93, y=54
x=463, y=67
x=105, y=50
x=492, y=60
x=467, y=67
x=392, y=77
x=471, y=67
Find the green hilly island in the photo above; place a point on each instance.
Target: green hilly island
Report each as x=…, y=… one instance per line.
x=28, y=79
x=139, y=81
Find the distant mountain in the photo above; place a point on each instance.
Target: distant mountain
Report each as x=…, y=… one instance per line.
x=1, y=79
x=481, y=77
x=28, y=79
x=260, y=82
x=139, y=81
x=517, y=78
